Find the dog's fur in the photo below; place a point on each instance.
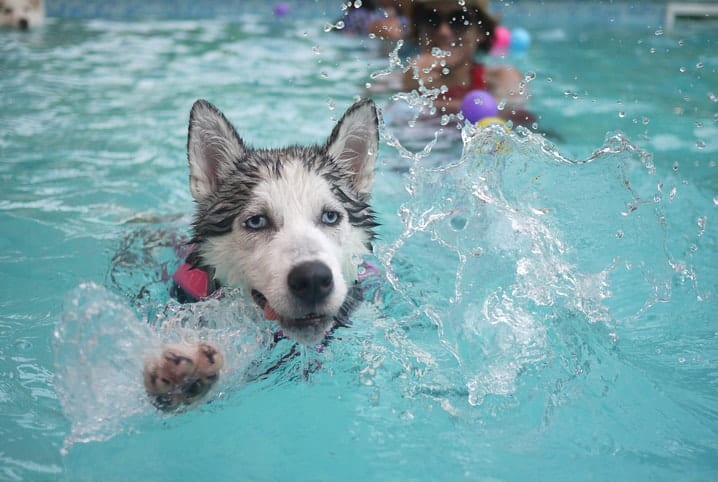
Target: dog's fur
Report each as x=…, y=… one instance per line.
x=288, y=226
x=22, y=14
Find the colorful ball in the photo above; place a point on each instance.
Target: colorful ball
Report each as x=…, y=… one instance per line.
x=520, y=40
x=478, y=104
x=280, y=10
x=502, y=38
x=487, y=121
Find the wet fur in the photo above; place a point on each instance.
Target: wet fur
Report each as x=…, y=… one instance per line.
x=22, y=14
x=266, y=218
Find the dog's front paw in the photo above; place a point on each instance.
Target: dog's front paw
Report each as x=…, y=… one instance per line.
x=182, y=374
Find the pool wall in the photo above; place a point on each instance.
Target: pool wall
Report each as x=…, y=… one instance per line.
x=645, y=12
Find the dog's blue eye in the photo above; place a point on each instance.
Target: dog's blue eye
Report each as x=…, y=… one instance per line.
x=257, y=222
x=330, y=217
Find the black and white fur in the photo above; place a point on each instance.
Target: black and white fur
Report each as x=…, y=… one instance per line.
x=288, y=226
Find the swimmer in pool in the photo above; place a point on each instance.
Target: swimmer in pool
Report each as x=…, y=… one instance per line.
x=450, y=33
x=386, y=19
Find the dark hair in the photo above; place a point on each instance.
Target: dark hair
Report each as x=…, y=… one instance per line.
x=478, y=17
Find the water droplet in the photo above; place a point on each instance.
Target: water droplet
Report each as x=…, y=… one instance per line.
x=715, y=201
x=530, y=76
x=700, y=144
x=317, y=50
x=619, y=234
x=652, y=50
x=458, y=223
x=23, y=345
x=682, y=70
x=645, y=121
x=549, y=80
x=621, y=114
x=676, y=166
x=324, y=74
x=331, y=104
x=701, y=222
x=699, y=65
x=658, y=32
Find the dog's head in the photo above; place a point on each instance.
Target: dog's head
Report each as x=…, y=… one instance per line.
x=22, y=14
x=287, y=225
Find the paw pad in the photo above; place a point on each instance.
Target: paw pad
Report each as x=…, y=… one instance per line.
x=182, y=374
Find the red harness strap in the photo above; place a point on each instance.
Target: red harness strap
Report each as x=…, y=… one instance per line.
x=194, y=282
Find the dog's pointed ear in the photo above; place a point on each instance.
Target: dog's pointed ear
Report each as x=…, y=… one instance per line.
x=213, y=147
x=354, y=142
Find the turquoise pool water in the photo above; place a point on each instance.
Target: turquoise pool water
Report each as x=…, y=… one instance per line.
x=549, y=305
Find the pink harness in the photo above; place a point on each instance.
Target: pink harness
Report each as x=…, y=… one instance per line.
x=193, y=284
x=193, y=281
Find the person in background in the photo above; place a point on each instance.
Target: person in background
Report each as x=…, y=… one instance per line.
x=449, y=34
x=386, y=19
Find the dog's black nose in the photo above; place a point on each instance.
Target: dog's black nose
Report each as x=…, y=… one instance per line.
x=311, y=282
x=23, y=24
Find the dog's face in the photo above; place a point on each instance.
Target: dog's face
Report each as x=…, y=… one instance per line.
x=287, y=225
x=22, y=14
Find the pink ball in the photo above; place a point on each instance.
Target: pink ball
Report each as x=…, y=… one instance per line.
x=502, y=38
x=478, y=104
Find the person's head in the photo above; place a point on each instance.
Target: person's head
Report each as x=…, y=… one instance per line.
x=453, y=25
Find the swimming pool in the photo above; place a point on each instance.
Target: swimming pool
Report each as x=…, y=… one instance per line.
x=544, y=317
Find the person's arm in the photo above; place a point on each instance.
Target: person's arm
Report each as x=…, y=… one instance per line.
x=429, y=70
x=507, y=83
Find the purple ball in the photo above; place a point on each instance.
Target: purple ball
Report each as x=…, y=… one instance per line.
x=281, y=9
x=478, y=104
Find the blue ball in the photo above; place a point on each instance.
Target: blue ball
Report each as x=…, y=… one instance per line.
x=478, y=104
x=520, y=40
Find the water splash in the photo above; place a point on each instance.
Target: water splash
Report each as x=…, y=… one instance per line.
x=100, y=345
x=513, y=248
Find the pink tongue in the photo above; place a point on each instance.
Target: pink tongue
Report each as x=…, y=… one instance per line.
x=269, y=313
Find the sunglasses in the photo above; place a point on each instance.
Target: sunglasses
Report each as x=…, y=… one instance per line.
x=459, y=21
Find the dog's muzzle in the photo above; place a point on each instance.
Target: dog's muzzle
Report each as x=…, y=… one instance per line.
x=310, y=282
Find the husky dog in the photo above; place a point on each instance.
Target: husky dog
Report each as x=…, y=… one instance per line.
x=288, y=226
x=22, y=14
